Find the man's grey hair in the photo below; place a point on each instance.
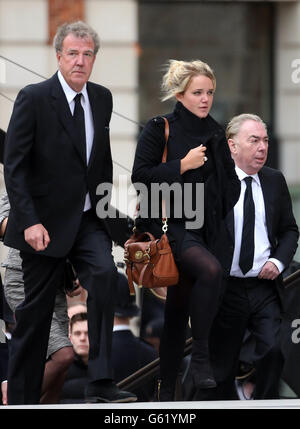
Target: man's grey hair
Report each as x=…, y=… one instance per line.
x=80, y=29
x=236, y=122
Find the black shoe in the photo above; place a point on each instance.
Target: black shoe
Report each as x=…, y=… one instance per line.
x=107, y=391
x=200, y=368
x=202, y=374
x=165, y=392
x=204, y=381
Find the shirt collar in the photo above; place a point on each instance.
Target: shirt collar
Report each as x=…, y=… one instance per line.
x=241, y=175
x=69, y=92
x=121, y=328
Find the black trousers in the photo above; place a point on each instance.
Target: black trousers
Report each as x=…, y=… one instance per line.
x=251, y=304
x=93, y=261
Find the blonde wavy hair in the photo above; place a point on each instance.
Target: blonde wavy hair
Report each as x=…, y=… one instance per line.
x=179, y=74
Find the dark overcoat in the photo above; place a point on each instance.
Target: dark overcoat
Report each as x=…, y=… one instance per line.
x=221, y=184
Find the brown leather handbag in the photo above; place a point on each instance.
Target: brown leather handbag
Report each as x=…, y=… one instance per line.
x=149, y=261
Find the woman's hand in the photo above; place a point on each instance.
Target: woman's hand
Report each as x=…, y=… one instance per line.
x=194, y=159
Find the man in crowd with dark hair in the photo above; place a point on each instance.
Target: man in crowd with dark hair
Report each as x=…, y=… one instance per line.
x=76, y=377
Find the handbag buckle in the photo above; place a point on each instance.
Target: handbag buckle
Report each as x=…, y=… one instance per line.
x=165, y=225
x=138, y=254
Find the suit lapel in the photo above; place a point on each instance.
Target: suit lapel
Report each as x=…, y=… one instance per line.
x=98, y=112
x=62, y=109
x=267, y=194
x=98, y=118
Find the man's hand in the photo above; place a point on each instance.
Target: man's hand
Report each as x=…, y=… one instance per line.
x=37, y=237
x=269, y=271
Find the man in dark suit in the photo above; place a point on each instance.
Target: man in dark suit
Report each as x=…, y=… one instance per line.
x=259, y=240
x=130, y=353
x=57, y=153
x=77, y=375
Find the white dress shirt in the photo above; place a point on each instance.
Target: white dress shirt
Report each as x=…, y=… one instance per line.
x=262, y=246
x=121, y=328
x=88, y=119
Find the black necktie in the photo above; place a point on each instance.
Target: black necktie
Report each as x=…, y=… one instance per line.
x=80, y=125
x=247, y=244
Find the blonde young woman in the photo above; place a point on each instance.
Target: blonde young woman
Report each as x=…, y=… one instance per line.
x=197, y=153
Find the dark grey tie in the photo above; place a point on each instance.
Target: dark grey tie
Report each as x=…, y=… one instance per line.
x=247, y=244
x=80, y=125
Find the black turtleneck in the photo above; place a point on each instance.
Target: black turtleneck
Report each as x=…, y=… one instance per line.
x=192, y=125
x=198, y=131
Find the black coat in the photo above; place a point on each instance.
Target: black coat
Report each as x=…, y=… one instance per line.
x=221, y=184
x=45, y=174
x=129, y=354
x=75, y=382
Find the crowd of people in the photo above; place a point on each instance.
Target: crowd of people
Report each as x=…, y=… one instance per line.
x=57, y=153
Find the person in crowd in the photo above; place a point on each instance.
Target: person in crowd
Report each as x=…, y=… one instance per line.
x=152, y=332
x=77, y=375
x=59, y=353
x=197, y=154
x=152, y=308
x=259, y=240
x=57, y=153
x=130, y=353
x=76, y=307
x=6, y=315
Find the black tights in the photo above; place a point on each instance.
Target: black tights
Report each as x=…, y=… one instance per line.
x=197, y=296
x=205, y=274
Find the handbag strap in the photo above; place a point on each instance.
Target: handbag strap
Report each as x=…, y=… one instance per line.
x=163, y=160
x=167, y=132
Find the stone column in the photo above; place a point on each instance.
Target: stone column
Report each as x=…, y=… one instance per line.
x=287, y=97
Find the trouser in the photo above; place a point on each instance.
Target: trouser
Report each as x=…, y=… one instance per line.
x=247, y=304
x=92, y=259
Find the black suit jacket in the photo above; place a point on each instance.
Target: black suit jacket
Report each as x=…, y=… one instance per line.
x=129, y=354
x=46, y=177
x=75, y=382
x=281, y=225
